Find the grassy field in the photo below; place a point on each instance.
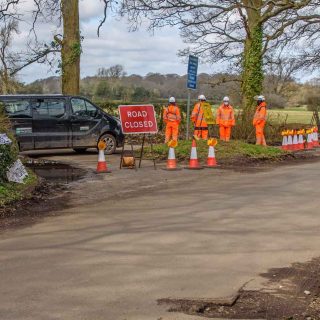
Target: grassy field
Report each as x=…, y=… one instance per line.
x=297, y=115
x=294, y=116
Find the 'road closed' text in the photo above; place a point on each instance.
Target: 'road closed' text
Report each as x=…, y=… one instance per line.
x=138, y=124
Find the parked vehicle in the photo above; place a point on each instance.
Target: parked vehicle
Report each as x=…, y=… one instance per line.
x=58, y=121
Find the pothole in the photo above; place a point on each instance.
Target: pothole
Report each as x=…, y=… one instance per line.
x=56, y=172
x=290, y=293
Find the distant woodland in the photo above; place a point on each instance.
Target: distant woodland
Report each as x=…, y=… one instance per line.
x=113, y=84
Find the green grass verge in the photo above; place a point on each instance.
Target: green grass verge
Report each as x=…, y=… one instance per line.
x=10, y=192
x=224, y=151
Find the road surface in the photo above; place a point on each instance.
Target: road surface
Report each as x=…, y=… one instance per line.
x=130, y=238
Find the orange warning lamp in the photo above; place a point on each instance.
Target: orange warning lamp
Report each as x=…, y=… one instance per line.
x=212, y=142
x=172, y=143
x=102, y=145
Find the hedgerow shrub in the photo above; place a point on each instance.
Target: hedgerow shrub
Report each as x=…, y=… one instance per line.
x=8, y=152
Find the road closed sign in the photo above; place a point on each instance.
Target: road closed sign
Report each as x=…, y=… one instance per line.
x=138, y=119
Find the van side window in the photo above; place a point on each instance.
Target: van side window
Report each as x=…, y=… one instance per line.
x=49, y=108
x=91, y=109
x=18, y=108
x=82, y=107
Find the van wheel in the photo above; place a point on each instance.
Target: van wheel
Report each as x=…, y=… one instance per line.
x=80, y=150
x=111, y=143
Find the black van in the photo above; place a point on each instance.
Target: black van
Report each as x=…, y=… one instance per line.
x=58, y=121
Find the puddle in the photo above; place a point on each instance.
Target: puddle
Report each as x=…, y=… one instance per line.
x=55, y=172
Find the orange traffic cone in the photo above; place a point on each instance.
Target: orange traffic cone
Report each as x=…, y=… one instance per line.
x=316, y=138
x=290, y=143
x=194, y=163
x=301, y=142
x=102, y=164
x=285, y=143
x=211, y=162
x=171, y=162
x=309, y=142
x=295, y=145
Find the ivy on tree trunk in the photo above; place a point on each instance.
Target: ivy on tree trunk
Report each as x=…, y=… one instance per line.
x=252, y=65
x=252, y=76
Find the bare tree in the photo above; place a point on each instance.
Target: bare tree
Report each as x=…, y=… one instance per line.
x=113, y=72
x=7, y=58
x=65, y=12
x=12, y=62
x=280, y=72
x=239, y=32
x=7, y=8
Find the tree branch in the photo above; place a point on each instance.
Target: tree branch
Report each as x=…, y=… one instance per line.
x=105, y=9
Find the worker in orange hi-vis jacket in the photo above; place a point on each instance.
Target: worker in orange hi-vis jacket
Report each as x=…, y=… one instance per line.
x=199, y=121
x=172, y=118
x=225, y=119
x=259, y=120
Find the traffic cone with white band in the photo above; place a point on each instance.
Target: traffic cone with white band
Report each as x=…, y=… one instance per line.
x=309, y=140
x=301, y=141
x=172, y=162
x=211, y=162
x=194, y=162
x=284, y=142
x=102, y=163
x=315, y=137
x=295, y=145
x=290, y=142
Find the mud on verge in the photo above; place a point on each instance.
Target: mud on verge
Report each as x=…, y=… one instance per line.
x=51, y=194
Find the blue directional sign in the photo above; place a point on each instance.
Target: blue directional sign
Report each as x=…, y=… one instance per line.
x=192, y=72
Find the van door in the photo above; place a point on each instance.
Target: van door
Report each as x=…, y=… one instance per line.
x=51, y=124
x=86, y=122
x=19, y=113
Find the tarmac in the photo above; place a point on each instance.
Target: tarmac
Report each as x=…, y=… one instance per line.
x=127, y=239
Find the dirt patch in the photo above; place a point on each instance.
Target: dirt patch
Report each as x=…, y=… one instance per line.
x=253, y=165
x=44, y=199
x=51, y=195
x=290, y=293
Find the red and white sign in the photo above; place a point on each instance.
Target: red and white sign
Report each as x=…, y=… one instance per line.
x=138, y=119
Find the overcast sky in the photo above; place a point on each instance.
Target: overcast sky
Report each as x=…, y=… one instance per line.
x=139, y=52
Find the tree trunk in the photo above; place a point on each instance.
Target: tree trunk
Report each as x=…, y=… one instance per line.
x=4, y=84
x=252, y=74
x=5, y=81
x=71, y=47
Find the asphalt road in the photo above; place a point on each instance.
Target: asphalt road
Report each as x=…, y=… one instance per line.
x=130, y=238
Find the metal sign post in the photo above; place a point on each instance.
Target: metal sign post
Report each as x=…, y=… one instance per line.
x=191, y=85
x=188, y=114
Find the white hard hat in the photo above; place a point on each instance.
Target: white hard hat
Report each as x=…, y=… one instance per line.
x=262, y=98
x=226, y=99
x=172, y=100
x=202, y=97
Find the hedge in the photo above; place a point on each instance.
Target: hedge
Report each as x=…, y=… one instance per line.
x=8, y=152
